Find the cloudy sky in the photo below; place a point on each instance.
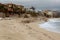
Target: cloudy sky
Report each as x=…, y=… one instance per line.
x=38, y=4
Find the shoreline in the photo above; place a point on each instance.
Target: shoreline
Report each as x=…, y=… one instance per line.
x=15, y=29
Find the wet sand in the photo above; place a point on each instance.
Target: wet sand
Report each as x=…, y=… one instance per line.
x=18, y=29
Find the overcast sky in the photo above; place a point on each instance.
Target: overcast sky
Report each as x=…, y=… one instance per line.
x=38, y=4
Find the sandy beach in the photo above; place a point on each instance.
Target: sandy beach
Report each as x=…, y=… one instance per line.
x=18, y=29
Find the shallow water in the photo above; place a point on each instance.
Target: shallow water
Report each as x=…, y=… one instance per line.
x=52, y=25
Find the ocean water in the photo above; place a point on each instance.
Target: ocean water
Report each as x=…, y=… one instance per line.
x=53, y=26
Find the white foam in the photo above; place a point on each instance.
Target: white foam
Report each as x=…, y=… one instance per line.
x=54, y=20
x=53, y=25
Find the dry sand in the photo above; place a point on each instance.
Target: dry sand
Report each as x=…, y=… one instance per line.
x=16, y=29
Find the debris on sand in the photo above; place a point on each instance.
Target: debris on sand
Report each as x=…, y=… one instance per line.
x=27, y=21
